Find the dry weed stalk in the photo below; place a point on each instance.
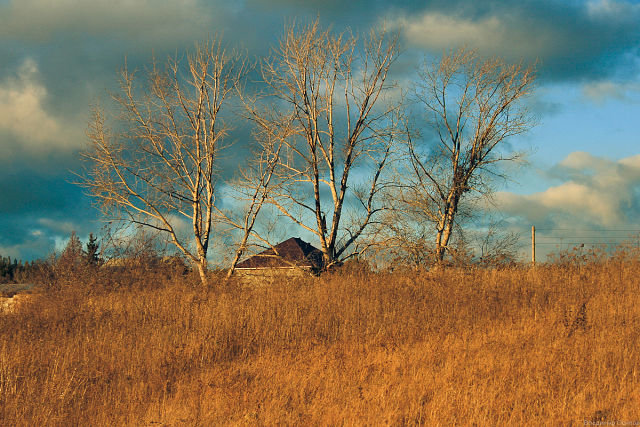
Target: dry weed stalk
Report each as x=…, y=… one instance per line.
x=352, y=347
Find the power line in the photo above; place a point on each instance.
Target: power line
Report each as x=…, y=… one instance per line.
x=566, y=238
x=561, y=243
x=584, y=237
x=592, y=230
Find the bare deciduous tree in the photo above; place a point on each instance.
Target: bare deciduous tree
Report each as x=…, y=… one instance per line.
x=473, y=105
x=498, y=247
x=252, y=187
x=155, y=165
x=331, y=91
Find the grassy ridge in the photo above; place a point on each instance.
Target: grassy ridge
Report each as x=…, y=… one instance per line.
x=516, y=346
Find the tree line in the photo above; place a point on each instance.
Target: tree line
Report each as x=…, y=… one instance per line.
x=73, y=254
x=339, y=150
x=9, y=269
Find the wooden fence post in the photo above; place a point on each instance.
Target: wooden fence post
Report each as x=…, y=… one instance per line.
x=533, y=244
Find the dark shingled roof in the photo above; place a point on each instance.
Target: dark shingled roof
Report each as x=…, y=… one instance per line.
x=291, y=252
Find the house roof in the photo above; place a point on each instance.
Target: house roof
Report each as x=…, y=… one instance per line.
x=293, y=252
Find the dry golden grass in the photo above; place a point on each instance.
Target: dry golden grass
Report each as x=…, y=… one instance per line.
x=547, y=346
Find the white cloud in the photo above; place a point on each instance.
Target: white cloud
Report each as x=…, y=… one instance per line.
x=595, y=192
x=492, y=35
x=57, y=226
x=612, y=9
x=600, y=91
x=632, y=162
x=23, y=113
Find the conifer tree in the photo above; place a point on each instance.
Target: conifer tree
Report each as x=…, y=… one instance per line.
x=91, y=251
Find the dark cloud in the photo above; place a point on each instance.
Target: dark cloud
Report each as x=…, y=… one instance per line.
x=61, y=57
x=143, y=21
x=36, y=211
x=570, y=40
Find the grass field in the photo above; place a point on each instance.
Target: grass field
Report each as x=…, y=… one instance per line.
x=553, y=345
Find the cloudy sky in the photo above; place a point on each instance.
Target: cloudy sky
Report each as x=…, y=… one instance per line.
x=60, y=57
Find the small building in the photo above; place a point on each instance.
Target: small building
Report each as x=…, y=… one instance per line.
x=292, y=258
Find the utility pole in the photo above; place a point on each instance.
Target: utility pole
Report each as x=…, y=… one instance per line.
x=533, y=244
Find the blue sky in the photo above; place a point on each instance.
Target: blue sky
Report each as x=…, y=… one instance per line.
x=60, y=57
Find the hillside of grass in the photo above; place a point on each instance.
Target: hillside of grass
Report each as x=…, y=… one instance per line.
x=555, y=344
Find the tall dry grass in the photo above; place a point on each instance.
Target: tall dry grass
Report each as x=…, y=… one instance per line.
x=552, y=345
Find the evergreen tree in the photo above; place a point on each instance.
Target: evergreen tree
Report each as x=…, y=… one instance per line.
x=9, y=268
x=91, y=252
x=5, y=263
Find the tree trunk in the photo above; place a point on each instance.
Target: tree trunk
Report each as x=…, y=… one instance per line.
x=439, y=254
x=444, y=232
x=326, y=261
x=235, y=261
x=202, y=270
x=443, y=241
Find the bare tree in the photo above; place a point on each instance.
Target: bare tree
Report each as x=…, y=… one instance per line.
x=331, y=91
x=252, y=187
x=407, y=237
x=155, y=165
x=473, y=106
x=498, y=247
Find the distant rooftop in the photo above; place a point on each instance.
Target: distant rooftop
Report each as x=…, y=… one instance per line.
x=293, y=252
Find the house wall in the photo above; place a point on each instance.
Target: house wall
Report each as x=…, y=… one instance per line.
x=268, y=276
